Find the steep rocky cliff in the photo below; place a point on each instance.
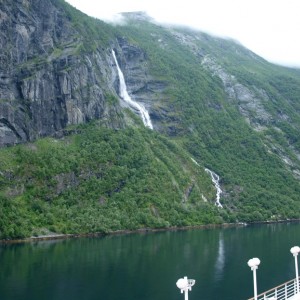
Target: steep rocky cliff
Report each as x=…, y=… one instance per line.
x=140, y=84
x=50, y=79
x=45, y=85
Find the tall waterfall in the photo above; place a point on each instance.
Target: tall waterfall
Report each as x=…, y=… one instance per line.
x=215, y=179
x=125, y=96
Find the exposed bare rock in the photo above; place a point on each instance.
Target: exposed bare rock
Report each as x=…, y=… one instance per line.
x=250, y=103
x=44, y=84
x=140, y=85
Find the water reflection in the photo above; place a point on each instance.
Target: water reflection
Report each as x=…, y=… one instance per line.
x=220, y=262
x=147, y=266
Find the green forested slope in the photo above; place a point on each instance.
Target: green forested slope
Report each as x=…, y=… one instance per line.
x=259, y=185
x=96, y=179
x=101, y=180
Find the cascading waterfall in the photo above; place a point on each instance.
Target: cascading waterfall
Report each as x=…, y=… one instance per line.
x=125, y=96
x=215, y=179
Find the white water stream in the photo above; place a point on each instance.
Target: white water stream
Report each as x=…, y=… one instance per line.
x=125, y=96
x=215, y=179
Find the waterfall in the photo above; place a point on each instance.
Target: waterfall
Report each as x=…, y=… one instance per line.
x=125, y=96
x=215, y=179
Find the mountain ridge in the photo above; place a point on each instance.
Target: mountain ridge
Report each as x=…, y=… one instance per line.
x=80, y=159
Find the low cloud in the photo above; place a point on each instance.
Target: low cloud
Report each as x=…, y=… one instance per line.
x=268, y=28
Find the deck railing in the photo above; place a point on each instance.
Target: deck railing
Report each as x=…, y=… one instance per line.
x=281, y=292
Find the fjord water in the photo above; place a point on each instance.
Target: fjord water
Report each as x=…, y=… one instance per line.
x=147, y=266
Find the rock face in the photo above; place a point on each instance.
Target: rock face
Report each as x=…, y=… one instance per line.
x=140, y=85
x=47, y=82
x=249, y=103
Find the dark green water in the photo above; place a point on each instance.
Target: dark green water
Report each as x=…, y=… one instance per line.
x=147, y=266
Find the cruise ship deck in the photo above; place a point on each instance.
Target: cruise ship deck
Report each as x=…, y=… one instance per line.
x=289, y=290
x=285, y=291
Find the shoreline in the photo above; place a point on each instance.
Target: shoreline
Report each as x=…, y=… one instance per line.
x=141, y=230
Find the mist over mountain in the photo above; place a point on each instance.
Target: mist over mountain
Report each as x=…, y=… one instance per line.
x=76, y=155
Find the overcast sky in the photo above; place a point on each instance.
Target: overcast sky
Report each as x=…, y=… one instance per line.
x=270, y=28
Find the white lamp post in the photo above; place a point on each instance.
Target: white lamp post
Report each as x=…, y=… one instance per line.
x=253, y=263
x=185, y=285
x=295, y=250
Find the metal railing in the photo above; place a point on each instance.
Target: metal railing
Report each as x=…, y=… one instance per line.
x=284, y=291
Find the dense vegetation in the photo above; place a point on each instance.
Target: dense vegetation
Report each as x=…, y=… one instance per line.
x=260, y=185
x=101, y=180
x=97, y=179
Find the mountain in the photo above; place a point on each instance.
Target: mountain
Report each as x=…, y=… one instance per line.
x=76, y=157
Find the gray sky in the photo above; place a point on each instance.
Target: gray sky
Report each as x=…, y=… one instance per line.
x=270, y=28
